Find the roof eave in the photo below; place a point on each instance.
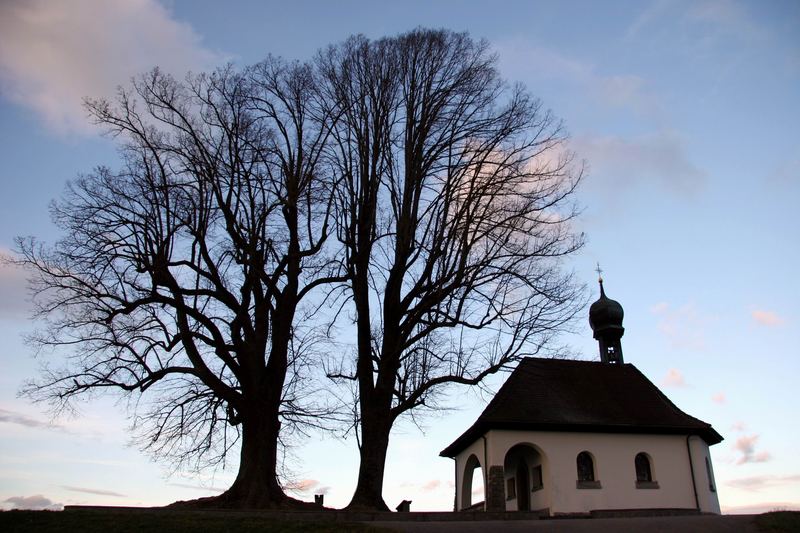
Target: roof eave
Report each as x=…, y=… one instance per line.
x=708, y=433
x=466, y=438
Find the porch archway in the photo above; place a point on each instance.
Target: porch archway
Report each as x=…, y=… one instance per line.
x=525, y=467
x=472, y=483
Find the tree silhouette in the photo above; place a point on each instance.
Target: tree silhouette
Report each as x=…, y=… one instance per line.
x=401, y=179
x=182, y=276
x=454, y=209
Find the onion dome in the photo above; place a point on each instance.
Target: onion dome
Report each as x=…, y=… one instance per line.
x=605, y=318
x=605, y=312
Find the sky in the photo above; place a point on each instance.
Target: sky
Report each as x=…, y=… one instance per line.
x=687, y=114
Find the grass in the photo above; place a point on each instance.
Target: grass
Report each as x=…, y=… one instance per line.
x=90, y=521
x=187, y=521
x=779, y=522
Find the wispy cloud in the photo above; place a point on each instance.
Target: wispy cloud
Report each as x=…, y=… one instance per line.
x=659, y=308
x=683, y=326
x=757, y=483
x=69, y=427
x=196, y=487
x=650, y=14
x=54, y=54
x=674, y=378
x=660, y=157
x=738, y=427
x=523, y=59
x=616, y=162
x=34, y=503
x=302, y=485
x=702, y=23
x=786, y=172
x=12, y=417
x=14, y=301
x=719, y=398
x=726, y=18
x=431, y=485
x=427, y=486
x=97, y=492
x=307, y=486
x=766, y=318
x=762, y=507
x=746, y=445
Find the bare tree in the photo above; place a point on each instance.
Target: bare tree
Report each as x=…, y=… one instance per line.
x=181, y=277
x=455, y=212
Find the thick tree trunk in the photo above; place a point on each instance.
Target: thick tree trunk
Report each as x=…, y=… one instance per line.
x=375, y=430
x=256, y=485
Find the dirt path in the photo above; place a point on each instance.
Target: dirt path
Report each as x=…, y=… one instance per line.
x=661, y=524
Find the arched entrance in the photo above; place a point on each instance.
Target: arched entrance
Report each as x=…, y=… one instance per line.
x=472, y=486
x=523, y=468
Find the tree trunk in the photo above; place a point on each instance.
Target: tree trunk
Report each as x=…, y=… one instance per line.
x=256, y=485
x=375, y=430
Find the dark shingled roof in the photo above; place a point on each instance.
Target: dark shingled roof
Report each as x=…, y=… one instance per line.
x=566, y=395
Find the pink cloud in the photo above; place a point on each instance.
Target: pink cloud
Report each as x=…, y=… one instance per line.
x=738, y=426
x=766, y=318
x=682, y=326
x=302, y=485
x=431, y=485
x=756, y=483
x=719, y=398
x=746, y=445
x=54, y=54
x=34, y=503
x=674, y=378
x=758, y=508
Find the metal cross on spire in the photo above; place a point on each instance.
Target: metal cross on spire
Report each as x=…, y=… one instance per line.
x=599, y=272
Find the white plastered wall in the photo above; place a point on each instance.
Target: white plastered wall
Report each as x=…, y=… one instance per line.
x=614, y=468
x=706, y=484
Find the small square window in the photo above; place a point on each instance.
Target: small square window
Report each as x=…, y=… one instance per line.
x=511, y=488
x=536, y=478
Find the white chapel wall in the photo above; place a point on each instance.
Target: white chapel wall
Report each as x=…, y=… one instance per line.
x=706, y=485
x=614, y=467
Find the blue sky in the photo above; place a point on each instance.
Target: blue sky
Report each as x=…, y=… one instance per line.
x=686, y=112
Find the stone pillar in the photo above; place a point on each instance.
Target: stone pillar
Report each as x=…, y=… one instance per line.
x=496, y=489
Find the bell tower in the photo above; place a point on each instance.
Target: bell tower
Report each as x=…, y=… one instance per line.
x=605, y=319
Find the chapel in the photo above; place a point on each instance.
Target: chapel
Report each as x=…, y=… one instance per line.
x=568, y=437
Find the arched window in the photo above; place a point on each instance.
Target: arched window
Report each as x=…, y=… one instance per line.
x=585, y=467
x=643, y=470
